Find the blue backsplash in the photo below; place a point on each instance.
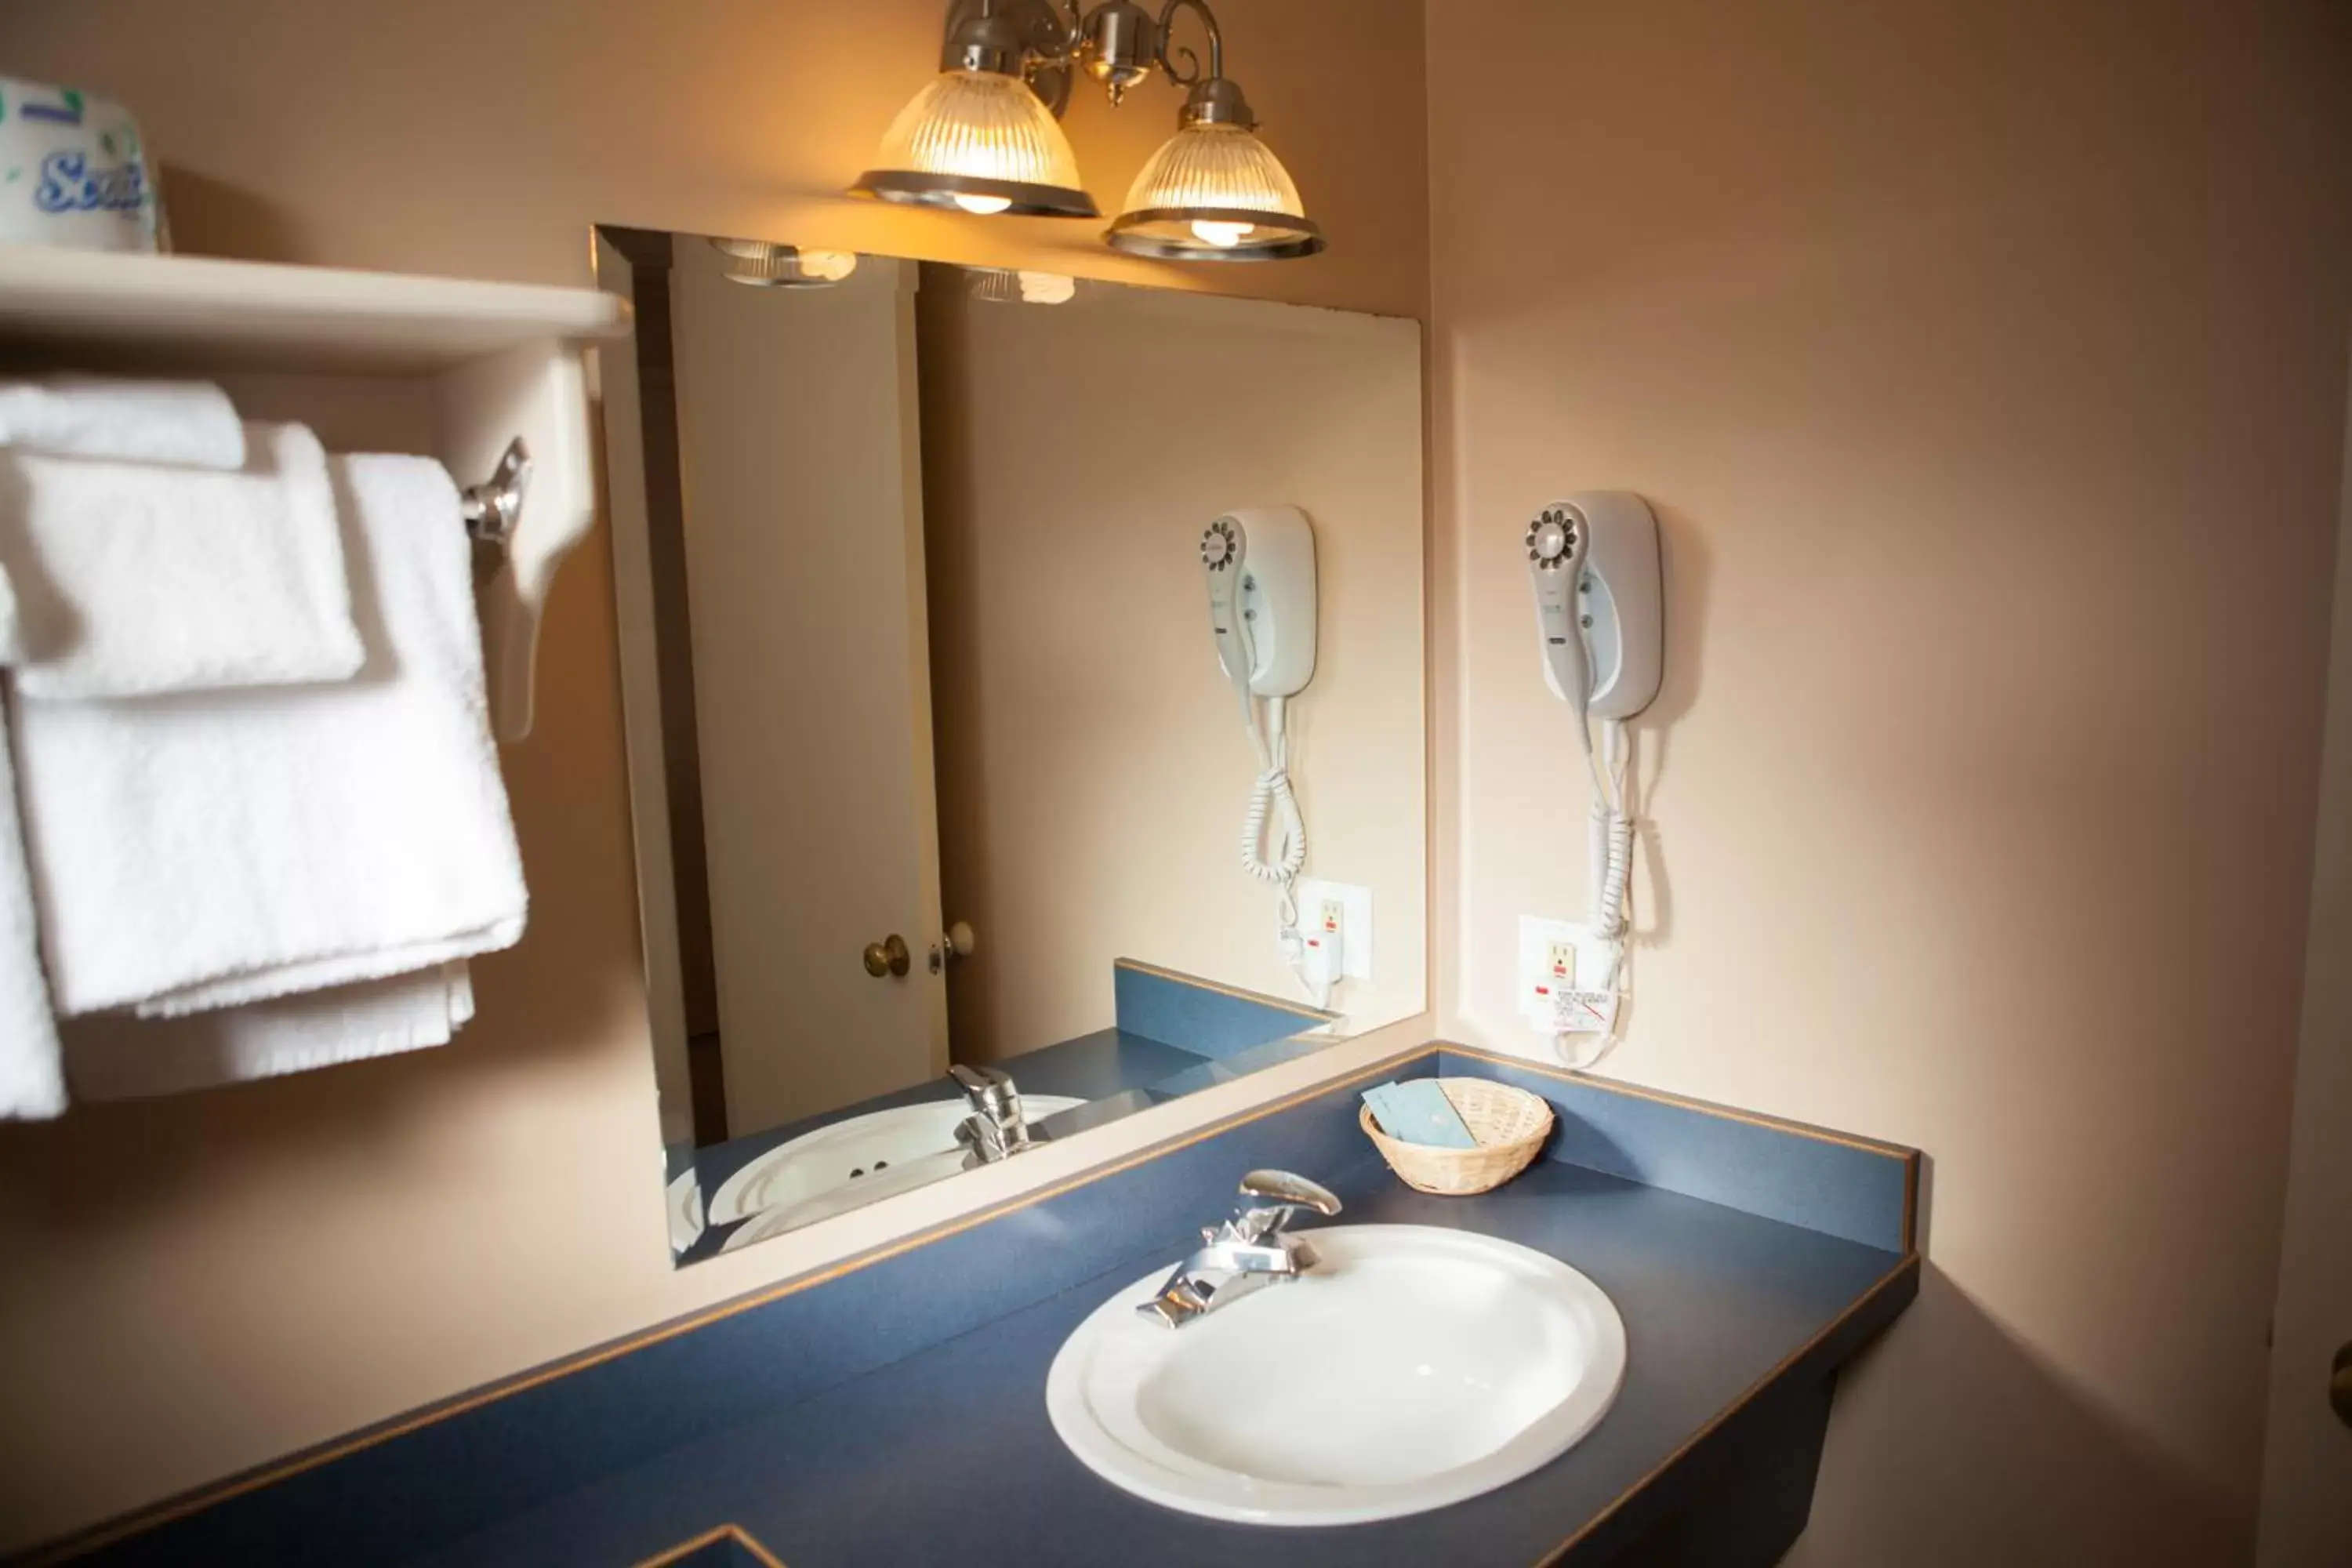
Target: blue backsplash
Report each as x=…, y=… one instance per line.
x=1200, y=1015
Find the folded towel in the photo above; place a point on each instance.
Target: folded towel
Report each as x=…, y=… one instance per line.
x=190, y=422
x=132, y=579
x=213, y=848
x=11, y=649
x=115, y=1056
x=30, y=1083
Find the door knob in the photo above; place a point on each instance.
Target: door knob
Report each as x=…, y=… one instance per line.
x=889, y=956
x=2339, y=1383
x=960, y=941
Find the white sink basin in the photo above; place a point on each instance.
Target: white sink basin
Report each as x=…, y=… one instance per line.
x=850, y=1162
x=1412, y=1367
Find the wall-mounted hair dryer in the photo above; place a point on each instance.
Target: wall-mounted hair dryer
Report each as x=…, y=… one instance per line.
x=1260, y=566
x=1593, y=560
x=1260, y=563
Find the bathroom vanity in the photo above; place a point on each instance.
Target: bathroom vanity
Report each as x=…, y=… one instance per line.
x=893, y=1408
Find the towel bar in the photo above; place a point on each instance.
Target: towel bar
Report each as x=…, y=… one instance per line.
x=492, y=508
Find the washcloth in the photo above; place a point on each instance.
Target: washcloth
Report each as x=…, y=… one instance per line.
x=188, y=422
x=115, y=1056
x=132, y=579
x=211, y=848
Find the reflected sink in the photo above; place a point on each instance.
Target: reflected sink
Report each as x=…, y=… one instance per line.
x=1412, y=1367
x=852, y=1163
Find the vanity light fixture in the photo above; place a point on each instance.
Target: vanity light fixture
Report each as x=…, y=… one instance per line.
x=1214, y=191
x=982, y=136
x=978, y=138
x=760, y=264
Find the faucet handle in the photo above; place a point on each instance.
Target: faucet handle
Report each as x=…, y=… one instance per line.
x=991, y=1090
x=979, y=1080
x=1285, y=1193
x=1291, y=1189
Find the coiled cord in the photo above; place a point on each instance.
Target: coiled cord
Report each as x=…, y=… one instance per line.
x=1271, y=794
x=1612, y=844
x=1271, y=797
x=1608, y=841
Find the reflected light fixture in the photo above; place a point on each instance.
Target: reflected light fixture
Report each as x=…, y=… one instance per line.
x=761, y=264
x=1004, y=285
x=982, y=136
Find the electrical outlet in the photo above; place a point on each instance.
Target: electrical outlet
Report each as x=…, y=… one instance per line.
x=1555, y=956
x=1341, y=909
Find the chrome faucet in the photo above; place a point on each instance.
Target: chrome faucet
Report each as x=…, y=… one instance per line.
x=997, y=1129
x=1246, y=1253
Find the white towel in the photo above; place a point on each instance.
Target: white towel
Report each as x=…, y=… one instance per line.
x=190, y=422
x=132, y=579
x=207, y=849
x=115, y=1056
x=30, y=1083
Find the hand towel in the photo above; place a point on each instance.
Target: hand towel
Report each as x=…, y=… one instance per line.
x=115, y=1056
x=31, y=1084
x=188, y=422
x=132, y=579
x=211, y=848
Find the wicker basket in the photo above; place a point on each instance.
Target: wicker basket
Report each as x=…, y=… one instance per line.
x=1509, y=1124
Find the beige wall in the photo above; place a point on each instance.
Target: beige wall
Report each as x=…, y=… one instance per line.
x=196, y=1285
x=1984, y=364
x=1093, y=769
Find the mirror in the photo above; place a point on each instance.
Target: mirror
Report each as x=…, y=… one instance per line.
x=931, y=582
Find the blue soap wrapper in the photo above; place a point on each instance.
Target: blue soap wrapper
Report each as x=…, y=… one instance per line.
x=1417, y=1111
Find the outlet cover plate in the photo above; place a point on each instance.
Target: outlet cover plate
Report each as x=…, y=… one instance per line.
x=1355, y=911
x=1539, y=978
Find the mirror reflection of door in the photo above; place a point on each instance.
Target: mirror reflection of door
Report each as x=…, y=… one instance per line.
x=789, y=674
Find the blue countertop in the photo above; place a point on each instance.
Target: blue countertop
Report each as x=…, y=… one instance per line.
x=892, y=1409
x=949, y=1455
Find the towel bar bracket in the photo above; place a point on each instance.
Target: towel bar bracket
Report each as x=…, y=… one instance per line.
x=491, y=509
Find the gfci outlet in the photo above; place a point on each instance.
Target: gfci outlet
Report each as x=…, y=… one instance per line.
x=1341, y=910
x=1555, y=955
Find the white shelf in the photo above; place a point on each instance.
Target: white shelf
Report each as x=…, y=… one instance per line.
x=163, y=308
x=482, y=363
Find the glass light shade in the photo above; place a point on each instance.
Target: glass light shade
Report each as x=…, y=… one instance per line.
x=1214, y=193
x=762, y=264
x=979, y=141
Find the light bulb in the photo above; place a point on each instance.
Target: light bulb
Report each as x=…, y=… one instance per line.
x=1047, y=287
x=1223, y=235
x=983, y=205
